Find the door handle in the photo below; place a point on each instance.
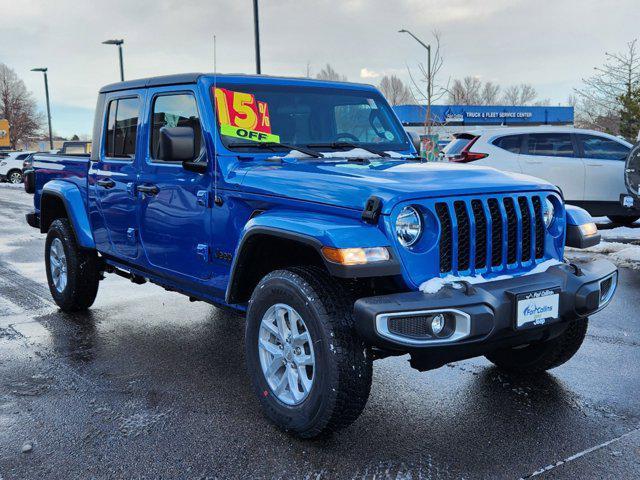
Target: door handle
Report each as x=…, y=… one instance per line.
x=106, y=183
x=148, y=189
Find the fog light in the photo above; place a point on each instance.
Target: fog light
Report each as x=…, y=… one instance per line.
x=437, y=324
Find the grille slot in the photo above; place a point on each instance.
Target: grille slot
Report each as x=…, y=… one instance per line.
x=526, y=228
x=537, y=210
x=496, y=232
x=446, y=239
x=481, y=233
x=512, y=230
x=513, y=225
x=464, y=235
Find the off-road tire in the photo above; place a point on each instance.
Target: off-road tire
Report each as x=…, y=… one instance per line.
x=83, y=273
x=342, y=379
x=622, y=219
x=539, y=357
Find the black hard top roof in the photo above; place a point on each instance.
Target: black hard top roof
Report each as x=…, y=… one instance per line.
x=187, y=78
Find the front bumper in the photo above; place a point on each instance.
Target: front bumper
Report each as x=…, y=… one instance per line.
x=487, y=310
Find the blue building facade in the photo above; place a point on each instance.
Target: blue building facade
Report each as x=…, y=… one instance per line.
x=485, y=115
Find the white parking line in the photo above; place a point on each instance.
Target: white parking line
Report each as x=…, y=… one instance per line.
x=579, y=454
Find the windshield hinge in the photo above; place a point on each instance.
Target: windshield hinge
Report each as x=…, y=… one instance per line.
x=372, y=209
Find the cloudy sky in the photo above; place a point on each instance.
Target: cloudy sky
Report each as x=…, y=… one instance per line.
x=550, y=44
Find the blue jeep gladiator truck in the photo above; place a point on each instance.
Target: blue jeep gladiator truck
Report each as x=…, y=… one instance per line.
x=302, y=204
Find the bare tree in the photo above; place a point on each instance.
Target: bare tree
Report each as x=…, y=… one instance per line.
x=328, y=73
x=467, y=91
x=395, y=91
x=523, y=94
x=490, y=94
x=17, y=106
x=606, y=101
x=426, y=86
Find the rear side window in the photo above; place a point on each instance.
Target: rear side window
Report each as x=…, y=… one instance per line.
x=178, y=110
x=551, y=144
x=602, y=148
x=457, y=145
x=122, y=128
x=510, y=143
x=22, y=157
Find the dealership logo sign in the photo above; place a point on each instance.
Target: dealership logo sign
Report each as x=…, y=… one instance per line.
x=3, y=133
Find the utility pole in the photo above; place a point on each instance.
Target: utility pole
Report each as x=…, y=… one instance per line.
x=256, y=30
x=427, y=123
x=46, y=93
x=119, y=44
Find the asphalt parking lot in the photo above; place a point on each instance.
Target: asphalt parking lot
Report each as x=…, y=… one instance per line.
x=149, y=385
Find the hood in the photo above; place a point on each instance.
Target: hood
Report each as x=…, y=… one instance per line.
x=349, y=184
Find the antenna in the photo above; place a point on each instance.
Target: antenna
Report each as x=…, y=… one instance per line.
x=216, y=199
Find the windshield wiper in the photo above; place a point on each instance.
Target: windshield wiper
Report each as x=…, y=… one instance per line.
x=274, y=145
x=348, y=145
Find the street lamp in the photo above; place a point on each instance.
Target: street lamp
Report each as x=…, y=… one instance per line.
x=429, y=86
x=256, y=34
x=119, y=44
x=46, y=92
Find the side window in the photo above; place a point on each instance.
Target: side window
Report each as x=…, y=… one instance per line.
x=122, y=128
x=551, y=144
x=603, y=148
x=179, y=110
x=510, y=143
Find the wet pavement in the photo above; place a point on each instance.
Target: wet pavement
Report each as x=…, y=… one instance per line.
x=149, y=385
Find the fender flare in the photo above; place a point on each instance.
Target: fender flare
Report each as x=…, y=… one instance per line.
x=74, y=205
x=316, y=231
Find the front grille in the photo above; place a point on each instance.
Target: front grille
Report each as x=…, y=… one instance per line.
x=413, y=326
x=489, y=234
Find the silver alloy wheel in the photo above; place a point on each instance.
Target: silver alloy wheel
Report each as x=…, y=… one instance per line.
x=58, y=265
x=286, y=354
x=15, y=177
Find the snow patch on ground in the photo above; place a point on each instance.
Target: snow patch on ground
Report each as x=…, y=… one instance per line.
x=17, y=186
x=434, y=285
x=622, y=254
x=621, y=232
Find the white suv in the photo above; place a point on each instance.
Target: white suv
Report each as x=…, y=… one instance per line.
x=11, y=166
x=588, y=166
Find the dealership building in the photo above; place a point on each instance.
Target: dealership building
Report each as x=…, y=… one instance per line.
x=451, y=119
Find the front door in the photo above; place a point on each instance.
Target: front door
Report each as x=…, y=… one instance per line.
x=113, y=177
x=604, y=161
x=175, y=213
x=552, y=157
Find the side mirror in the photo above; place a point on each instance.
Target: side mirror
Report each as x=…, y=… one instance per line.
x=177, y=144
x=415, y=140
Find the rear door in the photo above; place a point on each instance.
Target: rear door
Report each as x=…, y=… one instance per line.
x=175, y=219
x=604, y=161
x=553, y=157
x=113, y=176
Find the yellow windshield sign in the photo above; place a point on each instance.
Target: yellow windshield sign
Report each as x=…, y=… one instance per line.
x=242, y=116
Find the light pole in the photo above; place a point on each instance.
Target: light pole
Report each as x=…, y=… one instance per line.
x=256, y=33
x=427, y=123
x=119, y=44
x=46, y=92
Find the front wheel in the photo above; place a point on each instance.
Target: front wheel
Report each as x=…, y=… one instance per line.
x=72, y=273
x=538, y=357
x=14, y=176
x=310, y=371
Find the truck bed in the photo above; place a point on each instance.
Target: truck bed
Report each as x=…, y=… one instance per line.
x=67, y=168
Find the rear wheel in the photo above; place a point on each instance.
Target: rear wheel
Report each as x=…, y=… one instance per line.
x=72, y=273
x=14, y=176
x=310, y=370
x=538, y=357
x=623, y=220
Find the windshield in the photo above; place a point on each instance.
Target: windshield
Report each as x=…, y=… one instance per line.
x=321, y=118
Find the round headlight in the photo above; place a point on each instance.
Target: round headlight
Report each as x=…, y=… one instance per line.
x=408, y=226
x=549, y=211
